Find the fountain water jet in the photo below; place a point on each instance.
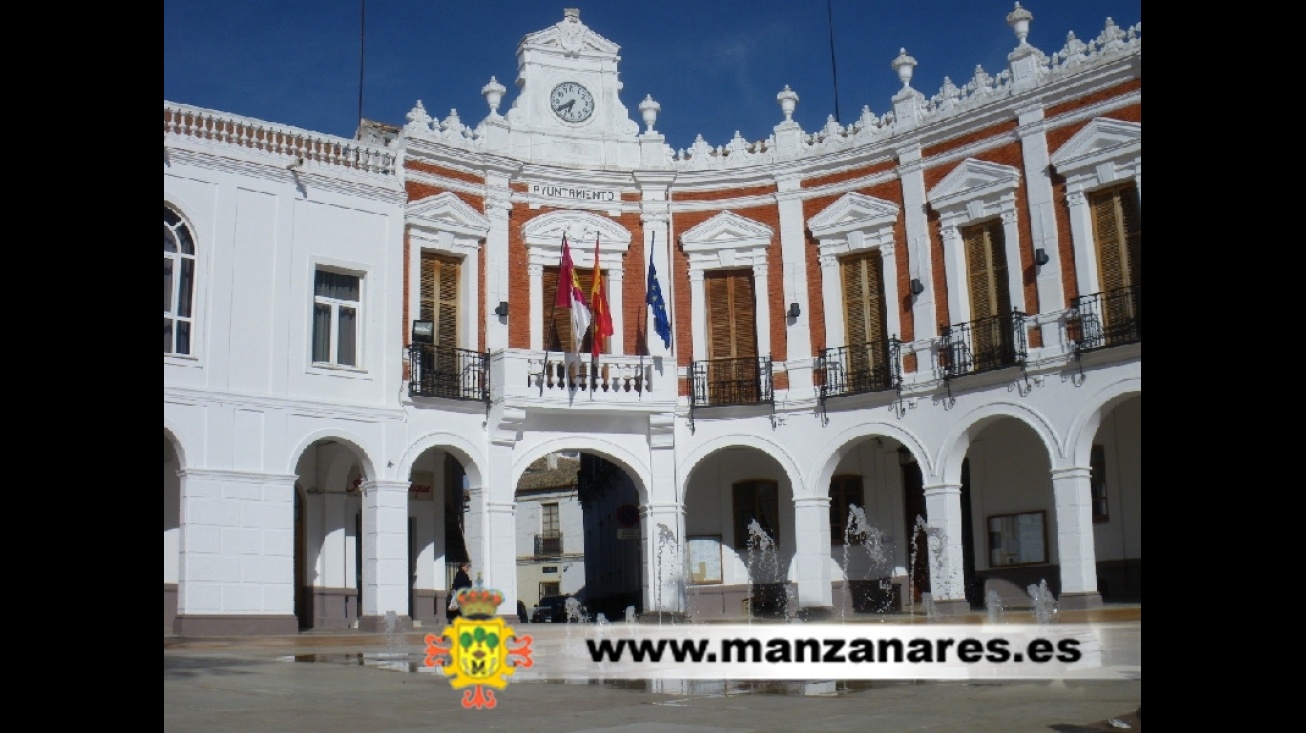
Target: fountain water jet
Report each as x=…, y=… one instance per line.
x=763, y=566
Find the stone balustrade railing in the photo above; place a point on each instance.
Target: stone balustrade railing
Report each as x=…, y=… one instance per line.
x=520, y=373
x=290, y=143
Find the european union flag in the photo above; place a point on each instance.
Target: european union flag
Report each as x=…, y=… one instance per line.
x=653, y=297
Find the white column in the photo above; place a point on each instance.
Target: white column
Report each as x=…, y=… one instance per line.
x=698, y=308
x=1072, y=494
x=497, y=207
x=916, y=222
x=793, y=250
x=954, y=258
x=499, y=566
x=763, y=310
x=425, y=513
x=943, y=510
x=334, y=570
x=1081, y=234
x=1042, y=217
x=812, y=556
x=832, y=298
x=665, y=574
x=385, y=551
x=892, y=316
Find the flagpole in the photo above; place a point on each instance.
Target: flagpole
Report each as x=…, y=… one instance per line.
x=643, y=383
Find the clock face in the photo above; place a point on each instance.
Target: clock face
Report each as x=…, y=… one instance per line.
x=571, y=102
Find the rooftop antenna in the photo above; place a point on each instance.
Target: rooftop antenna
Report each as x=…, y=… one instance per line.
x=834, y=71
x=362, y=35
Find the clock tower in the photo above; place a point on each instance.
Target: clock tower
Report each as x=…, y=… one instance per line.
x=569, y=108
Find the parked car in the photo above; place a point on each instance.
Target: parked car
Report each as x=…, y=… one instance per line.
x=552, y=609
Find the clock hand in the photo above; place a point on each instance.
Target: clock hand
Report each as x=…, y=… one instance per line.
x=566, y=106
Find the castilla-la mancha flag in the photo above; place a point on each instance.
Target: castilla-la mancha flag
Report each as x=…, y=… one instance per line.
x=599, y=302
x=571, y=296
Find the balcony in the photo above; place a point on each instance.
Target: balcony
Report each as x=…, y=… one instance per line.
x=869, y=367
x=723, y=382
x=452, y=374
x=1103, y=320
x=983, y=345
x=548, y=544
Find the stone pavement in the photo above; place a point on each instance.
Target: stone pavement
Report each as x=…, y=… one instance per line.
x=350, y=682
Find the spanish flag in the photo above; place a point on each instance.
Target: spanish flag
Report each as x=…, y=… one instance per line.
x=599, y=301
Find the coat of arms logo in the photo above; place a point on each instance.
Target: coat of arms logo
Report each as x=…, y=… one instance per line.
x=478, y=650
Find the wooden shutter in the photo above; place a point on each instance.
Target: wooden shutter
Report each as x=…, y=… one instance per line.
x=986, y=261
x=557, y=334
x=863, y=307
x=439, y=296
x=732, y=314
x=990, y=300
x=1118, y=232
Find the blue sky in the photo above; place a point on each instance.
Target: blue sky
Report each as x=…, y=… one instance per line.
x=715, y=67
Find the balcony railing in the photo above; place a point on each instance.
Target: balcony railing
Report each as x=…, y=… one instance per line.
x=869, y=367
x=548, y=544
x=983, y=345
x=1111, y=318
x=453, y=374
x=722, y=382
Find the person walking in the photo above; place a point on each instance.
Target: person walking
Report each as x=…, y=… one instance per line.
x=462, y=579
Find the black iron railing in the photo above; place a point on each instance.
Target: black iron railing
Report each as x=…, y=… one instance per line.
x=1110, y=318
x=869, y=367
x=983, y=345
x=454, y=374
x=721, y=382
x=548, y=544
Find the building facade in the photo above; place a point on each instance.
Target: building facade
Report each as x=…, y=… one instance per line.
x=904, y=364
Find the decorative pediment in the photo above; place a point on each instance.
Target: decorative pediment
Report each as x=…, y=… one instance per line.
x=570, y=36
x=853, y=212
x=446, y=212
x=1101, y=140
x=726, y=240
x=543, y=238
x=974, y=179
x=727, y=230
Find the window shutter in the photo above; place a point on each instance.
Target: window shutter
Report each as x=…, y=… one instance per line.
x=986, y=259
x=439, y=288
x=732, y=314
x=1118, y=231
x=864, y=312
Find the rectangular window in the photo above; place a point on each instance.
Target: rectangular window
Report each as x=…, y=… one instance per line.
x=439, y=297
x=756, y=501
x=549, y=519
x=1097, y=483
x=550, y=589
x=733, y=374
x=1118, y=233
x=336, y=305
x=864, y=320
x=844, y=490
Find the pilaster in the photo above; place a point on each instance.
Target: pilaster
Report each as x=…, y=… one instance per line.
x=1071, y=490
x=812, y=530
x=911, y=172
x=385, y=553
x=947, y=587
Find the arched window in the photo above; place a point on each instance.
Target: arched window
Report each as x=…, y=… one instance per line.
x=178, y=284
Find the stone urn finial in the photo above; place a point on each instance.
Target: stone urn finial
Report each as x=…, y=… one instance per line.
x=788, y=99
x=1019, y=20
x=493, y=93
x=904, y=65
x=649, y=108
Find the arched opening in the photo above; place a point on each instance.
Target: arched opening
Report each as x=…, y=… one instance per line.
x=739, y=537
x=437, y=505
x=328, y=546
x=1116, y=493
x=578, y=529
